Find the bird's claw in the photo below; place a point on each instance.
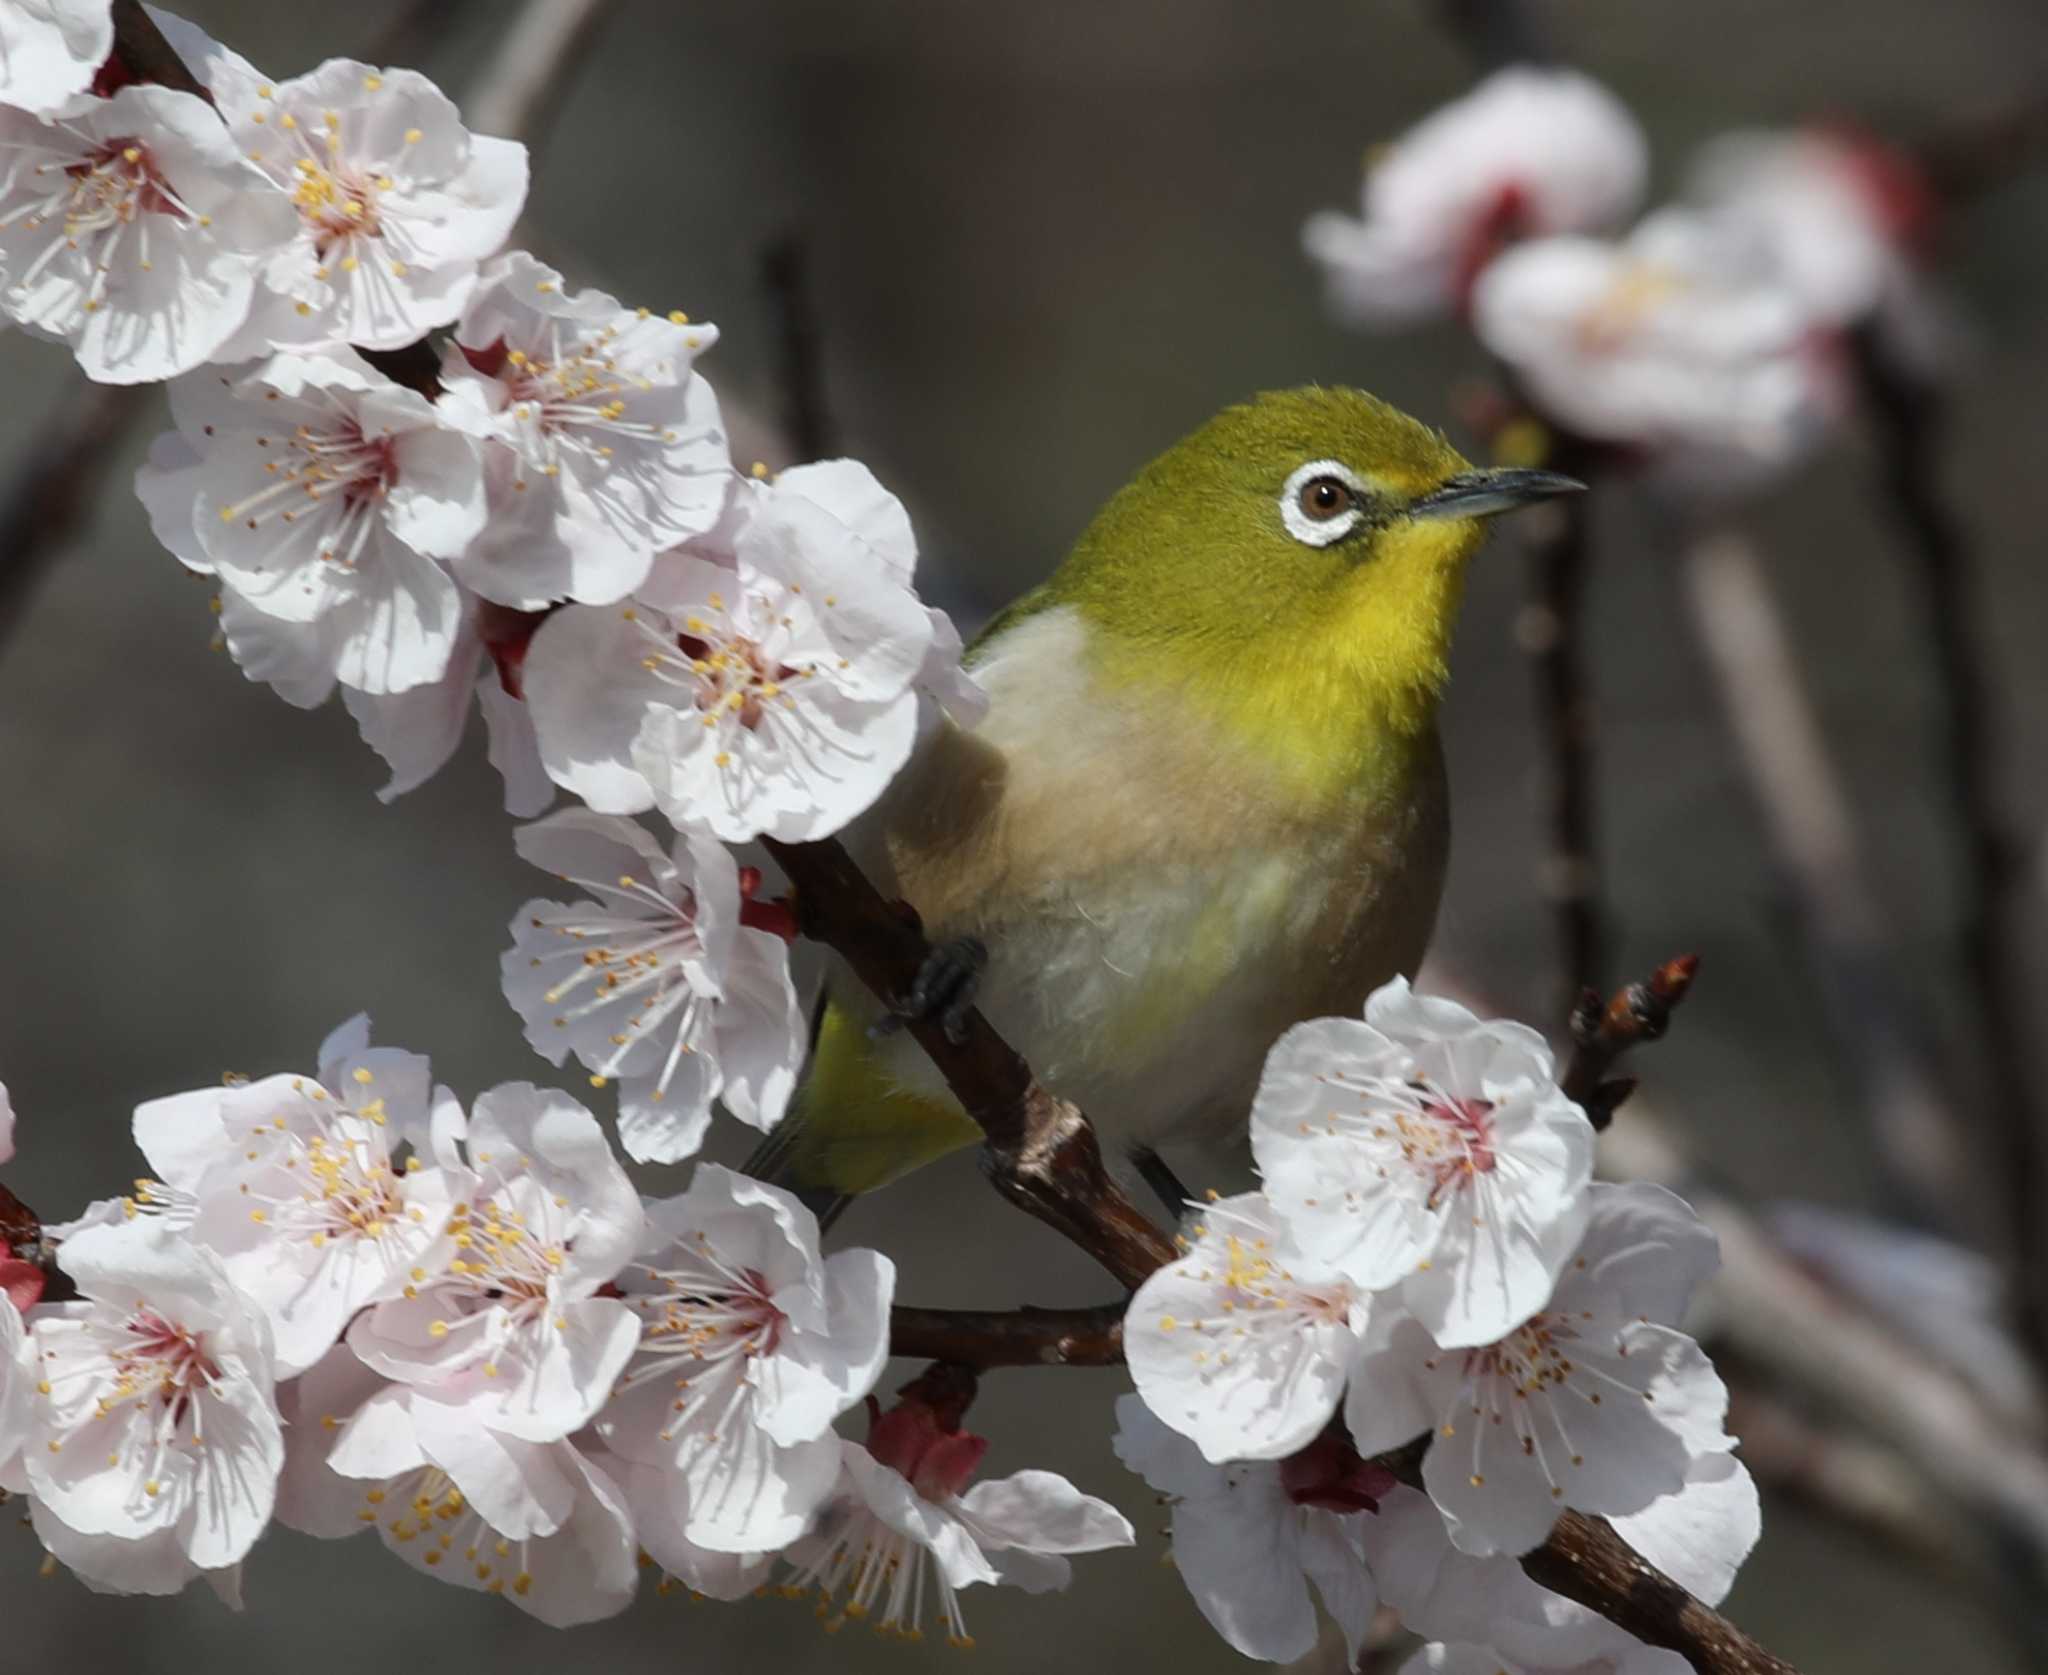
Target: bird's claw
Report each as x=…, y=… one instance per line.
x=944, y=989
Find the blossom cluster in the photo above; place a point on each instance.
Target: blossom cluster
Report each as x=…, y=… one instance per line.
x=1709, y=340
x=1428, y=1257
x=541, y=516
x=343, y=1302
x=533, y=511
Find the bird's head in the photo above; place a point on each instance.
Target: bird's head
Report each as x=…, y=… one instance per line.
x=1295, y=567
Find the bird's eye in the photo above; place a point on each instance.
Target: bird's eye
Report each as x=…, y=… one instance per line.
x=1323, y=498
x=1322, y=502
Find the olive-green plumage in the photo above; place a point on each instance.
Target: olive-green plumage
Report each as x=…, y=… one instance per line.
x=1207, y=800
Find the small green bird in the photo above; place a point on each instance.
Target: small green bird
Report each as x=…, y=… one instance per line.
x=1207, y=801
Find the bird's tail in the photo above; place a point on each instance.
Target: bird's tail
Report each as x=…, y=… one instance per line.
x=855, y=1125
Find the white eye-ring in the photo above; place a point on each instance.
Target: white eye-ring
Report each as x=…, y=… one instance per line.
x=1322, y=502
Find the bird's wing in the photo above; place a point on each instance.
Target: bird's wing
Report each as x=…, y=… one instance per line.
x=863, y=1116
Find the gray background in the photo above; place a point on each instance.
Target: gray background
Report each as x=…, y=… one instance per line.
x=1048, y=239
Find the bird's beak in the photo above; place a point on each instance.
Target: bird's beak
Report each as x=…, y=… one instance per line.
x=1480, y=494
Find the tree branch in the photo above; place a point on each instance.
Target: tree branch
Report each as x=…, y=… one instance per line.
x=1906, y=410
x=1026, y=1337
x=1551, y=631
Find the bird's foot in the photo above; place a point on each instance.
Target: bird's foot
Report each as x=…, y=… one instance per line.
x=944, y=989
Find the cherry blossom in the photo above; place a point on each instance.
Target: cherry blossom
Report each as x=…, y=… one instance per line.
x=1595, y=1402
x=1257, y=1545
x=17, y=1381
x=325, y=495
x=876, y=529
x=51, y=49
x=653, y=980
x=1529, y=151
x=314, y=1192
x=745, y=699
x=396, y=204
x=583, y=1568
x=155, y=1442
x=1683, y=341
x=605, y=445
x=904, y=1535
x=1427, y=1151
x=504, y=1337
x=1242, y=1345
x=129, y=228
x=751, y=1345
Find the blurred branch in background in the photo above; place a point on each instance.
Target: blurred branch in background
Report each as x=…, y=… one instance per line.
x=785, y=271
x=1840, y=1360
x=1922, y=1147
x=1906, y=412
x=1551, y=630
x=53, y=490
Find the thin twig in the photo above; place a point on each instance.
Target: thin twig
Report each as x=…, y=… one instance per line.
x=1602, y=1033
x=1907, y=415
x=1026, y=1337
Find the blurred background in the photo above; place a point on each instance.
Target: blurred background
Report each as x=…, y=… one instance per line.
x=1043, y=242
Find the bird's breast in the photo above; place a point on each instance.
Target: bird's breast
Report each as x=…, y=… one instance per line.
x=1157, y=906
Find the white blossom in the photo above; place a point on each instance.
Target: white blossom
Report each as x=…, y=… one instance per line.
x=1428, y=1151
x=751, y=1344
x=396, y=203
x=1254, y=1556
x=314, y=1191
x=50, y=50
x=1528, y=152
x=604, y=445
x=875, y=527
x=1461, y=1658
x=651, y=979
x=325, y=494
x=17, y=1381
x=904, y=1535
x=155, y=1443
x=129, y=228
x=1595, y=1402
x=583, y=1567
x=1242, y=1344
x=768, y=694
x=504, y=1337
x=1683, y=341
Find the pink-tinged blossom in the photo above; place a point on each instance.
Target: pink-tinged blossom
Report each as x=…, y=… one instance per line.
x=326, y=497
x=1595, y=1402
x=652, y=979
x=155, y=1442
x=314, y=1191
x=395, y=203
x=6, y=1126
x=582, y=1568
x=1528, y=152
x=507, y=1335
x=905, y=1535
x=1683, y=343
x=1428, y=1152
x=604, y=446
x=129, y=228
x=17, y=1383
x=1257, y=1543
x=50, y=50
x=751, y=1344
x=1243, y=1343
